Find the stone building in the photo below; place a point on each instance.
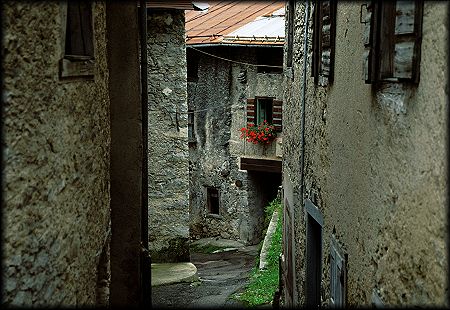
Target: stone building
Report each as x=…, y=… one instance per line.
x=365, y=162
x=231, y=180
x=73, y=152
x=167, y=137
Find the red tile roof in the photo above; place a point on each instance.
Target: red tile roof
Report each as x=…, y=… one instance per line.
x=224, y=17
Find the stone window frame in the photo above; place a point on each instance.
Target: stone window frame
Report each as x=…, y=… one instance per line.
x=77, y=65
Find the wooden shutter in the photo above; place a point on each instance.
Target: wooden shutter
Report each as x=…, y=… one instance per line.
x=338, y=276
x=370, y=35
x=407, y=38
x=277, y=113
x=324, y=41
x=393, y=51
x=251, y=111
x=290, y=38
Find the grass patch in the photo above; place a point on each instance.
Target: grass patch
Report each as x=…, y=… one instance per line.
x=264, y=283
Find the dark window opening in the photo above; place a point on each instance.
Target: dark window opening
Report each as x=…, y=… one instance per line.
x=271, y=56
x=213, y=200
x=79, y=39
x=192, y=58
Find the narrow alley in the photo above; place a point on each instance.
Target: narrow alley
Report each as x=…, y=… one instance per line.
x=135, y=132
x=220, y=275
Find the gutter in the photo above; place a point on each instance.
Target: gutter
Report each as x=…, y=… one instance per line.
x=233, y=44
x=145, y=260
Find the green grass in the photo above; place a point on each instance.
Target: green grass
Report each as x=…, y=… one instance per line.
x=264, y=283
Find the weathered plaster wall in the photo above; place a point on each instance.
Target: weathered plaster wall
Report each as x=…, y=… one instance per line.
x=378, y=164
x=168, y=156
x=56, y=154
x=220, y=98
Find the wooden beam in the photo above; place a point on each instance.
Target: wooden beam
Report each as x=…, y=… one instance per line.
x=259, y=164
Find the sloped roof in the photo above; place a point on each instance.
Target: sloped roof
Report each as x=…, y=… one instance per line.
x=237, y=22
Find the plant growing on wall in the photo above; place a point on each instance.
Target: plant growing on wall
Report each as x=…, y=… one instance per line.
x=263, y=134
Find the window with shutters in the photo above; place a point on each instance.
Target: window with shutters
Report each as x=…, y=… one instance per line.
x=324, y=33
x=265, y=108
x=78, y=40
x=338, y=276
x=392, y=40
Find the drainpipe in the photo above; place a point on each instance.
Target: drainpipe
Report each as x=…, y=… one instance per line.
x=302, y=141
x=145, y=254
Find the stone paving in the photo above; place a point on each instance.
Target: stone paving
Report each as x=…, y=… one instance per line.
x=220, y=274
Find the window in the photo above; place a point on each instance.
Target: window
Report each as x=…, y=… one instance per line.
x=191, y=134
x=213, y=200
x=78, y=41
x=192, y=58
x=338, y=277
x=271, y=56
x=314, y=223
x=324, y=33
x=265, y=108
x=392, y=41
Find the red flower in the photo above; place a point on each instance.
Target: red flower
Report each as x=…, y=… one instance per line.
x=264, y=133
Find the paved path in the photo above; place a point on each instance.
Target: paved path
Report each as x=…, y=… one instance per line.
x=221, y=274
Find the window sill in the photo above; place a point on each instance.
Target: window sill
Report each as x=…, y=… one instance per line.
x=214, y=216
x=77, y=67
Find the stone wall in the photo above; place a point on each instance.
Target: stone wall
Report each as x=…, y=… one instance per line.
x=56, y=162
x=168, y=155
x=377, y=163
x=219, y=95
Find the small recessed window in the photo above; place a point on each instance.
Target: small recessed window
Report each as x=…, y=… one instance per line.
x=191, y=133
x=78, y=40
x=213, y=200
x=192, y=58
